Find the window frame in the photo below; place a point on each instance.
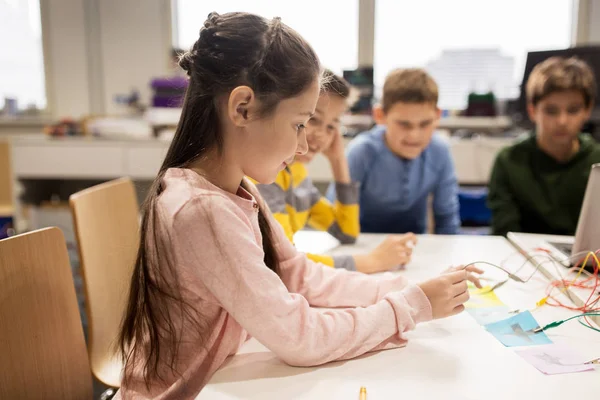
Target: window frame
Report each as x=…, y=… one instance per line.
x=366, y=41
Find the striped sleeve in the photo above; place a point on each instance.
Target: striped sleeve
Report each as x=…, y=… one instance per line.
x=344, y=261
x=274, y=196
x=340, y=219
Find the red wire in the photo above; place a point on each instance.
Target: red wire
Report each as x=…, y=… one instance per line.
x=583, y=284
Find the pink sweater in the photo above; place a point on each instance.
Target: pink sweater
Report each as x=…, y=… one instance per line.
x=215, y=242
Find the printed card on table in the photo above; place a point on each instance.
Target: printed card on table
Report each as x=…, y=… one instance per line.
x=518, y=331
x=554, y=359
x=483, y=298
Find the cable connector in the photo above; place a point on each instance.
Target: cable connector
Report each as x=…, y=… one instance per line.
x=550, y=325
x=542, y=301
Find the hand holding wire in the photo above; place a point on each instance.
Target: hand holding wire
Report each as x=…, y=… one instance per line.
x=471, y=271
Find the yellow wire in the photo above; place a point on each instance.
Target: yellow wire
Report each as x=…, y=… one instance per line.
x=596, y=259
x=583, y=264
x=543, y=301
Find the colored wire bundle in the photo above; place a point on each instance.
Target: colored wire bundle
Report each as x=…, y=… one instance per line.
x=591, y=281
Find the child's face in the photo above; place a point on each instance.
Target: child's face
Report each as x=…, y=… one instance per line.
x=323, y=126
x=559, y=117
x=268, y=144
x=409, y=127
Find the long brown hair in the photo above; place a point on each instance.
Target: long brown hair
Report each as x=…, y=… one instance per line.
x=233, y=49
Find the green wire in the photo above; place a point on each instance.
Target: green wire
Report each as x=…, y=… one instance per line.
x=588, y=326
x=560, y=322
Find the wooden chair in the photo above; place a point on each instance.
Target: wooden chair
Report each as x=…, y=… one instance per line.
x=42, y=346
x=6, y=182
x=107, y=228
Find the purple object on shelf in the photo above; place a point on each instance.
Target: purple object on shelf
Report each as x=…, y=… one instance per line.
x=175, y=82
x=6, y=226
x=167, y=101
x=168, y=92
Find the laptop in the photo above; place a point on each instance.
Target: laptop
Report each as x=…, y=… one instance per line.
x=587, y=235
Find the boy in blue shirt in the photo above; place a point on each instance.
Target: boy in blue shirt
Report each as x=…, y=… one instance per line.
x=400, y=163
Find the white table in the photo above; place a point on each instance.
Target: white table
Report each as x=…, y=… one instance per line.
x=454, y=358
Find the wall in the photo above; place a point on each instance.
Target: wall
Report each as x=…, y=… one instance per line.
x=65, y=56
x=135, y=46
x=97, y=49
x=586, y=18
x=366, y=33
x=594, y=23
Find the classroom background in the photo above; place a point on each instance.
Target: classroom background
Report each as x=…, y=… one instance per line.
x=90, y=89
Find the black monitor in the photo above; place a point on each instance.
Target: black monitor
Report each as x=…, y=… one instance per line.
x=362, y=80
x=589, y=54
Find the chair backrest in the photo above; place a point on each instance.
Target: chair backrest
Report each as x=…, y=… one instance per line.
x=107, y=229
x=42, y=346
x=6, y=193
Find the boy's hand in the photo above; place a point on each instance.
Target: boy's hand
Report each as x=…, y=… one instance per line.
x=335, y=150
x=395, y=250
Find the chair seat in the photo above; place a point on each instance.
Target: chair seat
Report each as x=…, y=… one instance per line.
x=109, y=372
x=6, y=210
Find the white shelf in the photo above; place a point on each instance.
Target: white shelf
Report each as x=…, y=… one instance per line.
x=450, y=123
x=38, y=156
x=86, y=158
x=479, y=123
x=158, y=116
x=170, y=116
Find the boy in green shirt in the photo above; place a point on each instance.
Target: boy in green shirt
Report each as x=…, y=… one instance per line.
x=537, y=185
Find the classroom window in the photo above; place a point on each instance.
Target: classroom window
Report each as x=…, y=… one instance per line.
x=21, y=59
x=468, y=45
x=331, y=26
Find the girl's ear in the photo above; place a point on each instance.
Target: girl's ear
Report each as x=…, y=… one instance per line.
x=241, y=102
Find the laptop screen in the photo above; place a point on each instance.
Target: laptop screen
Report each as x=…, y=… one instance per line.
x=587, y=236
